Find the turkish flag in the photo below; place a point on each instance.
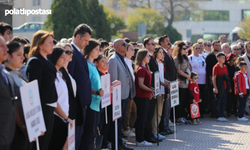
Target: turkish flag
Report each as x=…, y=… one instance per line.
x=194, y=110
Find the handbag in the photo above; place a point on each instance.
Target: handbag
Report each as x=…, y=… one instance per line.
x=98, y=140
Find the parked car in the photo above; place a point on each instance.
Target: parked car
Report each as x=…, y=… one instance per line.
x=28, y=29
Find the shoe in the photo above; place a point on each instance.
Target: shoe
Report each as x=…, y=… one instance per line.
x=220, y=119
x=161, y=137
x=242, y=119
x=194, y=122
x=128, y=133
x=143, y=143
x=168, y=131
x=125, y=147
x=225, y=120
x=151, y=140
x=124, y=140
x=160, y=140
x=170, y=124
x=181, y=121
x=198, y=121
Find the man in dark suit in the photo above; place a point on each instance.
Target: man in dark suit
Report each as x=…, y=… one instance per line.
x=119, y=70
x=170, y=75
x=78, y=69
x=7, y=113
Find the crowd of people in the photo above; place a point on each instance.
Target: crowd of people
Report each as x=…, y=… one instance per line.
x=69, y=79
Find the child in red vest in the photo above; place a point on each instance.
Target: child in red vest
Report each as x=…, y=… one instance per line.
x=242, y=85
x=194, y=93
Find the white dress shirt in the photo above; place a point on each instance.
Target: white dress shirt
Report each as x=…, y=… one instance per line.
x=129, y=64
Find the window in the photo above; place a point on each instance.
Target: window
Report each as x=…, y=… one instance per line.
x=36, y=18
x=216, y=15
x=245, y=13
x=36, y=2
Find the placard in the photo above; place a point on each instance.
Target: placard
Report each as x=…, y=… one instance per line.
x=157, y=83
x=105, y=82
x=32, y=110
x=116, y=99
x=71, y=136
x=174, y=94
x=194, y=110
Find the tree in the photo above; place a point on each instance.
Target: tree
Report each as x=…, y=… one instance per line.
x=64, y=18
x=152, y=19
x=116, y=23
x=172, y=33
x=97, y=19
x=245, y=26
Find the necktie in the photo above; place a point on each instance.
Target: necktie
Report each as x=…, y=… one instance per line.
x=3, y=74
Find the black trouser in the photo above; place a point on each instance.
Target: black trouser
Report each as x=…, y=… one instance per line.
x=20, y=141
x=59, y=134
x=148, y=128
x=231, y=101
x=211, y=100
x=203, y=94
x=183, y=103
x=242, y=105
x=120, y=123
x=164, y=123
x=79, y=130
x=221, y=103
x=106, y=127
x=48, y=115
x=142, y=105
x=90, y=129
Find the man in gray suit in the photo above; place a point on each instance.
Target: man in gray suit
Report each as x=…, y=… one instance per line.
x=119, y=71
x=7, y=113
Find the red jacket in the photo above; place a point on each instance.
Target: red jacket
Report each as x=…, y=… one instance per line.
x=240, y=83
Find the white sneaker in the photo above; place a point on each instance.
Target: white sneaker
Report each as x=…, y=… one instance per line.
x=171, y=124
x=161, y=137
x=143, y=143
x=128, y=133
x=220, y=119
x=242, y=119
x=225, y=120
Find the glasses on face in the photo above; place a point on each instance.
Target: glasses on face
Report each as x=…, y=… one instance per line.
x=197, y=47
x=152, y=44
x=184, y=49
x=195, y=78
x=69, y=52
x=124, y=44
x=9, y=32
x=209, y=45
x=236, y=49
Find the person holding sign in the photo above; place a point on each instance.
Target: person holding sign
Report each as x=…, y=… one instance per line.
x=41, y=69
x=144, y=94
x=194, y=93
x=61, y=119
x=91, y=52
x=15, y=61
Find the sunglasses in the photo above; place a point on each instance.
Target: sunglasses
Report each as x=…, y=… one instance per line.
x=69, y=52
x=124, y=44
x=184, y=49
x=236, y=49
x=196, y=78
x=197, y=47
x=152, y=44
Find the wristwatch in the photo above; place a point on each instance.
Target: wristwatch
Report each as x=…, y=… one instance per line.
x=98, y=92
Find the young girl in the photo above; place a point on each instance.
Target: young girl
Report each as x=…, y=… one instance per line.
x=242, y=85
x=194, y=93
x=143, y=94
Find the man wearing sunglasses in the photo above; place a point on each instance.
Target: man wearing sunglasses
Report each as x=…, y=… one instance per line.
x=236, y=50
x=119, y=70
x=207, y=47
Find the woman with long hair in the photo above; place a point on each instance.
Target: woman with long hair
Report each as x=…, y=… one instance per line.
x=184, y=71
x=143, y=94
x=41, y=69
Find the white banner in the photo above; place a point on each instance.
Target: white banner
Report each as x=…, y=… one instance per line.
x=32, y=110
x=157, y=83
x=105, y=82
x=116, y=98
x=174, y=94
x=71, y=136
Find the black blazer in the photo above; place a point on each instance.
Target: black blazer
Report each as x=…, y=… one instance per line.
x=72, y=99
x=153, y=67
x=170, y=70
x=45, y=72
x=78, y=69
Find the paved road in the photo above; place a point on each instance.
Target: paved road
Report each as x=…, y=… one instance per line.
x=211, y=135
